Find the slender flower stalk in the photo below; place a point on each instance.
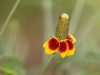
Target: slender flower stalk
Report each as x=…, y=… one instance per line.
x=47, y=64
x=62, y=42
x=9, y=17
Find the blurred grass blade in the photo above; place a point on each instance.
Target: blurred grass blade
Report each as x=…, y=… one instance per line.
x=8, y=70
x=9, y=17
x=48, y=22
x=76, y=15
x=88, y=26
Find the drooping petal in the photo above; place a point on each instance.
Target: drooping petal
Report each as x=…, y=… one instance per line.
x=51, y=46
x=71, y=48
x=63, y=48
x=72, y=38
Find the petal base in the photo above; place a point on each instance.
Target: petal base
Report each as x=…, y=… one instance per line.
x=72, y=38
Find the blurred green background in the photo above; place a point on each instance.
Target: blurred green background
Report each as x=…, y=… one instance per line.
x=34, y=22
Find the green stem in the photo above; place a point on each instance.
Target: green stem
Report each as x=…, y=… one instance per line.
x=45, y=67
x=9, y=17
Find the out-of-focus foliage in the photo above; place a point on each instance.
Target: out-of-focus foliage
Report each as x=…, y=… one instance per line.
x=21, y=51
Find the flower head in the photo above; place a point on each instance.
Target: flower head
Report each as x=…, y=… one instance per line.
x=65, y=47
x=62, y=42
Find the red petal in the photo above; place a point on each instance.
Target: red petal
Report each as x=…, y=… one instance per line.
x=53, y=43
x=71, y=48
x=63, y=49
x=51, y=46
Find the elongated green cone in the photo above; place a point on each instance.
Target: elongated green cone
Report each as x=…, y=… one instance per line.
x=62, y=26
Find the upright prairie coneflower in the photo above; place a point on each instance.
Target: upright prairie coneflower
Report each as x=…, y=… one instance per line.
x=62, y=42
